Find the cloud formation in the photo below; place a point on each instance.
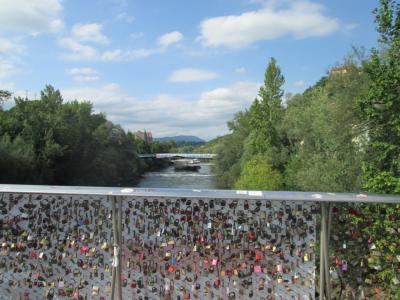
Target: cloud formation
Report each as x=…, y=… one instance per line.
x=297, y=19
x=90, y=32
x=10, y=52
x=31, y=17
x=84, y=74
x=85, y=41
x=168, y=114
x=170, y=38
x=190, y=75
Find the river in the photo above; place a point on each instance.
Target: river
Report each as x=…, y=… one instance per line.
x=169, y=178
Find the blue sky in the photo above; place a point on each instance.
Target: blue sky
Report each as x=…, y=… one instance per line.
x=174, y=67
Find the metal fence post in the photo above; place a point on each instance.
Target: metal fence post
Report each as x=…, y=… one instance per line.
x=321, y=254
x=324, y=279
x=326, y=252
x=119, y=267
x=116, y=293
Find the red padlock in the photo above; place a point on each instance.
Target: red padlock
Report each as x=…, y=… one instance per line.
x=338, y=261
x=133, y=284
x=217, y=282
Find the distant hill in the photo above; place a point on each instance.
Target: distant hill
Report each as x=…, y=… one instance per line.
x=181, y=138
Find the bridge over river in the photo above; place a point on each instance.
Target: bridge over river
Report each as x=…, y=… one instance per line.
x=176, y=155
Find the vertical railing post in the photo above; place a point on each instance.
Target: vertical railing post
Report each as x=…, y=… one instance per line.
x=324, y=280
x=119, y=267
x=321, y=254
x=116, y=293
x=326, y=253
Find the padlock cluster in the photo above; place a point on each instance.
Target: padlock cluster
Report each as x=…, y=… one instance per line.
x=188, y=248
x=55, y=247
x=60, y=247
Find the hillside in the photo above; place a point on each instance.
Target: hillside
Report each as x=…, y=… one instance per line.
x=181, y=138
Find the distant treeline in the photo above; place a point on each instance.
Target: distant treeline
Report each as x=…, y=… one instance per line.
x=341, y=135
x=49, y=141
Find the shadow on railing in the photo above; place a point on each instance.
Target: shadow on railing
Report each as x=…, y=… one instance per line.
x=112, y=243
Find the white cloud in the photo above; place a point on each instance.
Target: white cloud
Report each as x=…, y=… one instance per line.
x=24, y=17
x=79, y=49
x=231, y=98
x=81, y=52
x=10, y=52
x=169, y=114
x=90, y=32
x=84, y=74
x=170, y=38
x=189, y=75
x=298, y=19
x=241, y=70
x=32, y=17
x=124, y=17
x=109, y=94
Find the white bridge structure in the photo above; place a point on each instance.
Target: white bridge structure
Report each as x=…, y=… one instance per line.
x=182, y=155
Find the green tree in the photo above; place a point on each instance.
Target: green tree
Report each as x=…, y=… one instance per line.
x=258, y=174
x=266, y=111
x=16, y=160
x=326, y=139
x=381, y=106
x=229, y=151
x=271, y=92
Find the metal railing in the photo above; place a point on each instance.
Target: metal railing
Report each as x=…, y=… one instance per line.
x=131, y=243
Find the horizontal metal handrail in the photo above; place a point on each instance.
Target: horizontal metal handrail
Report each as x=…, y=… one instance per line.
x=201, y=193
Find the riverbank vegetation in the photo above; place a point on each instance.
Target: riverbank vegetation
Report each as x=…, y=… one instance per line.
x=341, y=135
x=50, y=141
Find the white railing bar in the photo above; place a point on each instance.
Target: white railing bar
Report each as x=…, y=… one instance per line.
x=201, y=193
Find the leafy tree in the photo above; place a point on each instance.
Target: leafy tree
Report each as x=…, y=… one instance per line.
x=325, y=136
x=229, y=150
x=258, y=174
x=381, y=106
x=266, y=112
x=16, y=160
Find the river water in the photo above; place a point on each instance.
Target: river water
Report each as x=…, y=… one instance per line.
x=169, y=178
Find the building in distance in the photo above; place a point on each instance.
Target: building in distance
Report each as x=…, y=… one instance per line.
x=144, y=135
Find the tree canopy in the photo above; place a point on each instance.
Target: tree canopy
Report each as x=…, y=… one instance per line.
x=50, y=141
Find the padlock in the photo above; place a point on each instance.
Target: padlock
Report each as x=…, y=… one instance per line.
x=177, y=274
x=279, y=268
x=108, y=287
x=333, y=272
x=344, y=266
